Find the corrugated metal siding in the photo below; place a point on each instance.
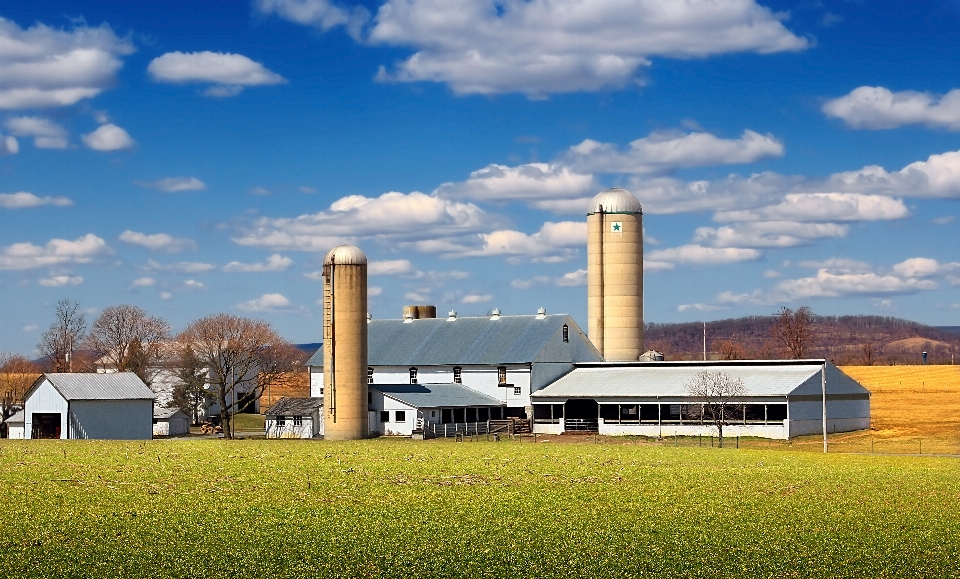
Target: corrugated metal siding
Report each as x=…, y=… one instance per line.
x=97, y=386
x=435, y=395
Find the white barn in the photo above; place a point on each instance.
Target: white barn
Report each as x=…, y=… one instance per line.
x=15, y=425
x=782, y=399
x=295, y=418
x=170, y=422
x=399, y=409
x=89, y=405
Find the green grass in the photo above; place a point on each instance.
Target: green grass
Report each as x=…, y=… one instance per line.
x=249, y=422
x=401, y=508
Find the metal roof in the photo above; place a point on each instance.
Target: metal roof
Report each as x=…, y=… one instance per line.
x=462, y=341
x=17, y=417
x=345, y=255
x=615, y=200
x=165, y=413
x=435, y=395
x=669, y=379
x=97, y=386
x=290, y=406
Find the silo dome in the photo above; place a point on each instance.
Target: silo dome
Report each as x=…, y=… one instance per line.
x=615, y=200
x=347, y=255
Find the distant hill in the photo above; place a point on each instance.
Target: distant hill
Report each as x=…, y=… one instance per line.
x=842, y=339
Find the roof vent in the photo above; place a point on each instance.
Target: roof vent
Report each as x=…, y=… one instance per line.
x=541, y=313
x=369, y=317
x=451, y=316
x=407, y=318
x=495, y=314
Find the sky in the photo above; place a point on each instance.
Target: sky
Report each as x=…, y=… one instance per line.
x=193, y=158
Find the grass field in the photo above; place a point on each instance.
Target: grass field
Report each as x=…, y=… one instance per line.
x=402, y=508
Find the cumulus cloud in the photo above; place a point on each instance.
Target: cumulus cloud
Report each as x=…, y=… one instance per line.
x=557, y=239
x=194, y=284
x=667, y=150
x=322, y=14
x=924, y=267
x=839, y=265
x=229, y=73
x=144, y=282
x=704, y=255
x=48, y=67
x=46, y=133
x=544, y=47
x=824, y=207
x=527, y=182
x=275, y=262
x=24, y=200
x=161, y=242
x=420, y=296
x=174, y=184
x=390, y=267
x=8, y=145
x=267, y=303
x=827, y=284
x=181, y=267
x=699, y=307
x=876, y=107
x=373, y=291
x=938, y=176
x=56, y=252
x=764, y=234
x=108, y=137
x=476, y=298
x=60, y=280
x=576, y=278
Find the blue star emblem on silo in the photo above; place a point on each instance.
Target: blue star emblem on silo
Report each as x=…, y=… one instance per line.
x=616, y=227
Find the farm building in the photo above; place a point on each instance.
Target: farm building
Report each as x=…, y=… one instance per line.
x=399, y=409
x=89, y=405
x=781, y=399
x=170, y=422
x=504, y=357
x=295, y=418
x=15, y=425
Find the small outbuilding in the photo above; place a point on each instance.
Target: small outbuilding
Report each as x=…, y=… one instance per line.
x=399, y=409
x=295, y=418
x=89, y=406
x=15, y=425
x=170, y=422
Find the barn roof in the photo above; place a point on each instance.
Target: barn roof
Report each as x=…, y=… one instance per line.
x=17, y=417
x=464, y=341
x=761, y=378
x=290, y=406
x=96, y=386
x=165, y=413
x=435, y=395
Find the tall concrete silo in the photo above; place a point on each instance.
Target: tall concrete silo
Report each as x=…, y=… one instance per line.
x=345, y=344
x=615, y=275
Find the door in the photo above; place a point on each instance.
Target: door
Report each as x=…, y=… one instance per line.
x=46, y=425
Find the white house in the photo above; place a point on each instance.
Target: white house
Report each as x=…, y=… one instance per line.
x=503, y=357
x=295, y=418
x=170, y=422
x=89, y=405
x=15, y=425
x=399, y=409
x=782, y=399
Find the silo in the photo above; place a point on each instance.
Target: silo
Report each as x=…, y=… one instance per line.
x=345, y=344
x=615, y=275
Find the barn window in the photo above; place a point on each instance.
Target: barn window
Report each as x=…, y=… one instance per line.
x=401, y=416
x=457, y=375
x=516, y=391
x=298, y=420
x=281, y=421
x=433, y=414
x=413, y=375
x=370, y=375
x=502, y=374
x=566, y=334
x=384, y=416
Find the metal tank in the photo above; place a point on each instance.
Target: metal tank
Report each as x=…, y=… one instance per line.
x=345, y=344
x=615, y=275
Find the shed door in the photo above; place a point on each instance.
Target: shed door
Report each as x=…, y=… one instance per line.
x=46, y=425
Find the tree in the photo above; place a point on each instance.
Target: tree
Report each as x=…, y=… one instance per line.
x=793, y=331
x=732, y=349
x=128, y=340
x=190, y=392
x=720, y=397
x=65, y=334
x=17, y=375
x=241, y=357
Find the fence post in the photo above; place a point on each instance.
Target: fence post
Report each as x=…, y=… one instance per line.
x=738, y=442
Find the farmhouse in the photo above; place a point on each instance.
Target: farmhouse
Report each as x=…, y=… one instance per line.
x=399, y=409
x=89, y=405
x=295, y=418
x=781, y=399
x=170, y=422
x=15, y=425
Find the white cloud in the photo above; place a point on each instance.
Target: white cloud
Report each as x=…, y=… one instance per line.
x=30, y=328
x=46, y=133
x=181, y=267
x=838, y=265
x=194, y=284
x=556, y=239
x=945, y=220
x=23, y=200
x=938, y=176
x=541, y=47
x=165, y=295
x=230, y=73
x=669, y=150
x=772, y=273
x=174, y=184
x=420, y=296
x=533, y=181
x=48, y=67
x=60, y=280
x=55, y=252
x=768, y=234
x=824, y=207
x=699, y=307
x=8, y=145
x=108, y=137
x=573, y=279
x=306, y=189
x=529, y=283
x=876, y=107
x=260, y=191
x=373, y=291
x=924, y=267
x=161, y=242
x=144, y=282
x=476, y=298
x=320, y=13
x=704, y=255
x=267, y=303
x=275, y=262
x=830, y=285
x=390, y=267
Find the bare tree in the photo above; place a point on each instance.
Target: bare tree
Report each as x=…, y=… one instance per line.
x=17, y=375
x=732, y=349
x=793, y=331
x=720, y=397
x=64, y=336
x=241, y=357
x=128, y=340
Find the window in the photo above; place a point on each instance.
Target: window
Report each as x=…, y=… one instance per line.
x=281, y=421
x=516, y=391
x=566, y=334
x=502, y=374
x=413, y=375
x=457, y=375
x=370, y=375
x=384, y=416
x=401, y=416
x=298, y=420
x=433, y=414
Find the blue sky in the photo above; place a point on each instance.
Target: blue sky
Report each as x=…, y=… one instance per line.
x=196, y=158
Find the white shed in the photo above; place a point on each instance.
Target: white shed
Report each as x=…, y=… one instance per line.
x=399, y=409
x=295, y=418
x=15, y=425
x=89, y=405
x=170, y=422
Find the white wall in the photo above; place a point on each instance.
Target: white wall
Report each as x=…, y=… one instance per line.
x=15, y=431
x=177, y=424
x=45, y=399
x=381, y=403
x=484, y=379
x=111, y=419
x=288, y=430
